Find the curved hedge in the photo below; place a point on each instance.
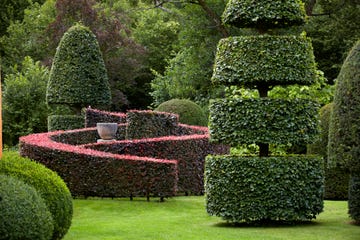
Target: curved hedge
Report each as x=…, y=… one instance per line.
x=259, y=60
x=248, y=189
x=264, y=120
x=24, y=215
x=78, y=75
x=49, y=185
x=189, y=112
x=264, y=14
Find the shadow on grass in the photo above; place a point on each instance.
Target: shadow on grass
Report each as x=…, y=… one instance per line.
x=266, y=224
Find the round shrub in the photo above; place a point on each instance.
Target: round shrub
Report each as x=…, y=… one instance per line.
x=188, y=111
x=24, y=214
x=49, y=185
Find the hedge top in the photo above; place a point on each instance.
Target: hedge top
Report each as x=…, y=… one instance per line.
x=78, y=75
x=264, y=14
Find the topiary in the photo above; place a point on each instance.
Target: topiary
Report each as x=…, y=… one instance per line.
x=188, y=111
x=24, y=214
x=48, y=184
x=344, y=131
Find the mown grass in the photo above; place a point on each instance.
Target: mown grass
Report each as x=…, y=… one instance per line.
x=185, y=218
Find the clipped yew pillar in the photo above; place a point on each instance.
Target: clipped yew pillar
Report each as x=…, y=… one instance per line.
x=264, y=187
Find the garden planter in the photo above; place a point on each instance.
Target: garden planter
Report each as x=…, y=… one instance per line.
x=107, y=131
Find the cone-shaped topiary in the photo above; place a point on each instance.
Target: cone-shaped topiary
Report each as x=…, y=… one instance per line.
x=47, y=183
x=78, y=75
x=188, y=111
x=344, y=131
x=24, y=214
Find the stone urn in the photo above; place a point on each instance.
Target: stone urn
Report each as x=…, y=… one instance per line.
x=107, y=131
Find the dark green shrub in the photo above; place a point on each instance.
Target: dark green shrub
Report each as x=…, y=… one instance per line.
x=264, y=120
x=246, y=189
x=149, y=124
x=336, y=178
x=78, y=75
x=24, y=214
x=65, y=122
x=272, y=60
x=344, y=131
x=93, y=116
x=48, y=184
x=354, y=197
x=189, y=112
x=264, y=14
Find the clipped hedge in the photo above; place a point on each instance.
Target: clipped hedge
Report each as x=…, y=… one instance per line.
x=354, y=197
x=93, y=116
x=24, y=215
x=264, y=14
x=189, y=151
x=248, y=189
x=48, y=184
x=264, y=60
x=65, y=122
x=93, y=173
x=150, y=124
x=189, y=112
x=78, y=75
x=247, y=121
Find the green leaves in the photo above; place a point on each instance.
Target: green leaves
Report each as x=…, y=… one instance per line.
x=273, y=60
x=247, y=121
x=264, y=13
x=246, y=189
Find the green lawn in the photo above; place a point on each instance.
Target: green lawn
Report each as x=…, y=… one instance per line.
x=185, y=218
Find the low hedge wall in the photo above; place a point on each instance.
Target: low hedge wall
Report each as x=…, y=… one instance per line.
x=93, y=173
x=189, y=151
x=248, y=189
x=93, y=116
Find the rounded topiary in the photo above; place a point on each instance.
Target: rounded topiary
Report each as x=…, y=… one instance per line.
x=188, y=111
x=23, y=213
x=48, y=184
x=78, y=75
x=264, y=14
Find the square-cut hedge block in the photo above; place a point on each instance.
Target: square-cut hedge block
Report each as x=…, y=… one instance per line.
x=257, y=60
x=250, y=189
x=264, y=120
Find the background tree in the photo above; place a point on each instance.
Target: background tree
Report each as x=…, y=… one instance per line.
x=344, y=131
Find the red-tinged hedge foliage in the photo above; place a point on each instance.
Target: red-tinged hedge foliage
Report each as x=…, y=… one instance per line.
x=93, y=116
x=89, y=172
x=143, y=167
x=190, y=152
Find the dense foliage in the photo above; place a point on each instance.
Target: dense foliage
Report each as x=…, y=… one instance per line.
x=65, y=122
x=248, y=189
x=263, y=120
x=24, y=107
x=344, y=130
x=274, y=14
x=78, y=75
x=48, y=184
x=259, y=60
x=189, y=112
x=24, y=214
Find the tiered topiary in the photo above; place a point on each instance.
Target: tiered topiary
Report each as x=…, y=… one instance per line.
x=78, y=78
x=344, y=130
x=189, y=112
x=264, y=187
x=24, y=214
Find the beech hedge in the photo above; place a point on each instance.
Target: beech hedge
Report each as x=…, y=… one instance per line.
x=249, y=189
x=265, y=120
x=265, y=59
x=149, y=124
x=93, y=116
x=264, y=13
x=189, y=151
